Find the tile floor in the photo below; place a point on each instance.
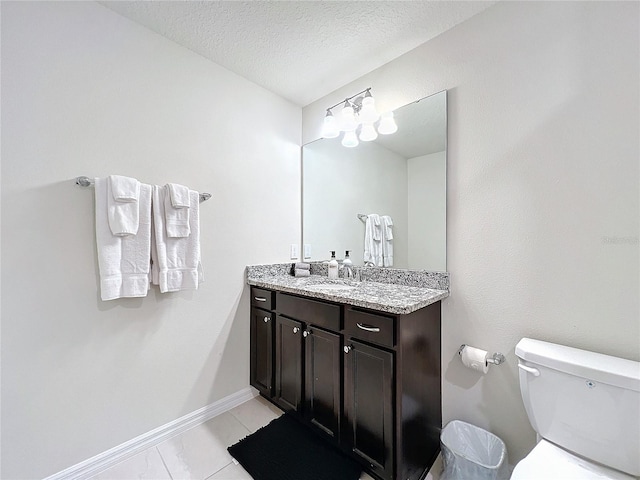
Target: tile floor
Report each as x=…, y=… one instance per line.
x=201, y=453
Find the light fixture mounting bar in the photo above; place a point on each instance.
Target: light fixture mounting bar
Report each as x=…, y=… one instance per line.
x=349, y=98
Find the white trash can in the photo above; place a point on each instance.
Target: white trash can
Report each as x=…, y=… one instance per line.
x=471, y=453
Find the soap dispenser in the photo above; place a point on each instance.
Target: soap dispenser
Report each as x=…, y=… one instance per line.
x=347, y=264
x=333, y=266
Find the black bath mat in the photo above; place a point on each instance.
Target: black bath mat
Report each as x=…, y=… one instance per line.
x=287, y=450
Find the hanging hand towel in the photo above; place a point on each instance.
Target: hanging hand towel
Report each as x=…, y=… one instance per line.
x=387, y=241
x=124, y=189
x=176, y=210
x=176, y=262
x=122, y=205
x=123, y=261
x=372, y=241
x=179, y=195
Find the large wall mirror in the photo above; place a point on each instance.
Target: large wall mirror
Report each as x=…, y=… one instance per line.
x=402, y=175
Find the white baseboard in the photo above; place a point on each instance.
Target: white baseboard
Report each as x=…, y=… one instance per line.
x=105, y=460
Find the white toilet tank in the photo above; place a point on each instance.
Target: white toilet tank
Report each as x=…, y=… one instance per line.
x=585, y=402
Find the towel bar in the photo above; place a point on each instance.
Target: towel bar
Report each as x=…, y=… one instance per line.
x=88, y=182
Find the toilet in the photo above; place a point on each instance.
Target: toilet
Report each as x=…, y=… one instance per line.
x=585, y=408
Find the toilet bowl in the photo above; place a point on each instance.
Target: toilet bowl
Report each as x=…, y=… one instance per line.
x=548, y=461
x=585, y=408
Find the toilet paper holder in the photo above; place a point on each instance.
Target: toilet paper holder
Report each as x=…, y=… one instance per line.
x=496, y=359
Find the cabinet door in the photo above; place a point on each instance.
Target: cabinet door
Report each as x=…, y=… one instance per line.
x=323, y=380
x=288, y=364
x=369, y=405
x=261, y=372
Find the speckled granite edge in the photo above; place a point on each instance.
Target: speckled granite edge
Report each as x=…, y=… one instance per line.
x=377, y=291
x=384, y=297
x=396, y=276
x=410, y=278
x=270, y=270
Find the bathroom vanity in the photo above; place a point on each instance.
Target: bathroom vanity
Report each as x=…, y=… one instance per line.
x=359, y=362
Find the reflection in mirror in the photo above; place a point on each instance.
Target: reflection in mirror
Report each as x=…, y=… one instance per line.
x=402, y=175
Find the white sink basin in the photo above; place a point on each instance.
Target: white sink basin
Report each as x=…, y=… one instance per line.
x=330, y=287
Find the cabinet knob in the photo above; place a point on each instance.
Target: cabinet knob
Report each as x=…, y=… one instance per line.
x=265, y=319
x=296, y=329
x=305, y=334
x=347, y=348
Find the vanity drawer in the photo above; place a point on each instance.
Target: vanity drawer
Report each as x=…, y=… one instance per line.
x=369, y=326
x=321, y=314
x=261, y=298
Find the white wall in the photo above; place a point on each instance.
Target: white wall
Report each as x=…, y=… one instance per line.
x=341, y=182
x=542, y=200
x=87, y=92
x=427, y=211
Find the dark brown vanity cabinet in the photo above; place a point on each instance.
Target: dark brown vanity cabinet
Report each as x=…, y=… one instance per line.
x=288, y=357
x=323, y=362
x=392, y=397
x=369, y=381
x=308, y=361
x=369, y=405
x=262, y=321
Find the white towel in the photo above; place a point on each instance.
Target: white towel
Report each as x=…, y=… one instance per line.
x=176, y=262
x=387, y=240
x=124, y=189
x=123, y=262
x=176, y=210
x=122, y=205
x=372, y=241
x=179, y=195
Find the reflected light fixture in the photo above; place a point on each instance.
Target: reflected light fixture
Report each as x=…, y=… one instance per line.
x=358, y=112
x=387, y=124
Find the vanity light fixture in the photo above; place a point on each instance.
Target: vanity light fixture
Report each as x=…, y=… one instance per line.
x=358, y=112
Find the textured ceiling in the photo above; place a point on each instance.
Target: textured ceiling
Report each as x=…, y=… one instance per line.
x=301, y=50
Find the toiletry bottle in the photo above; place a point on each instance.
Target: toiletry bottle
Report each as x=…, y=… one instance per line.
x=347, y=265
x=333, y=266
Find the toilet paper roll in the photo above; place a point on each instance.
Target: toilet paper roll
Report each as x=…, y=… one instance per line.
x=475, y=359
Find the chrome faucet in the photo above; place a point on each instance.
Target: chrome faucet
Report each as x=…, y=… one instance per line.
x=350, y=272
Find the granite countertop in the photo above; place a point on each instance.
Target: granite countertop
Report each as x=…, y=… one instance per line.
x=385, y=297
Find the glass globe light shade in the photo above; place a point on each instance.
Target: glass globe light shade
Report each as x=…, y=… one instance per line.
x=330, y=128
x=350, y=139
x=348, y=119
x=368, y=133
x=387, y=124
x=368, y=113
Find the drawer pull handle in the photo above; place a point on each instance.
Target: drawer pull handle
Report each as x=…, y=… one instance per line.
x=368, y=328
x=265, y=319
x=260, y=299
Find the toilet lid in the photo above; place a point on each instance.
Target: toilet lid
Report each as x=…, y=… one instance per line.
x=548, y=461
